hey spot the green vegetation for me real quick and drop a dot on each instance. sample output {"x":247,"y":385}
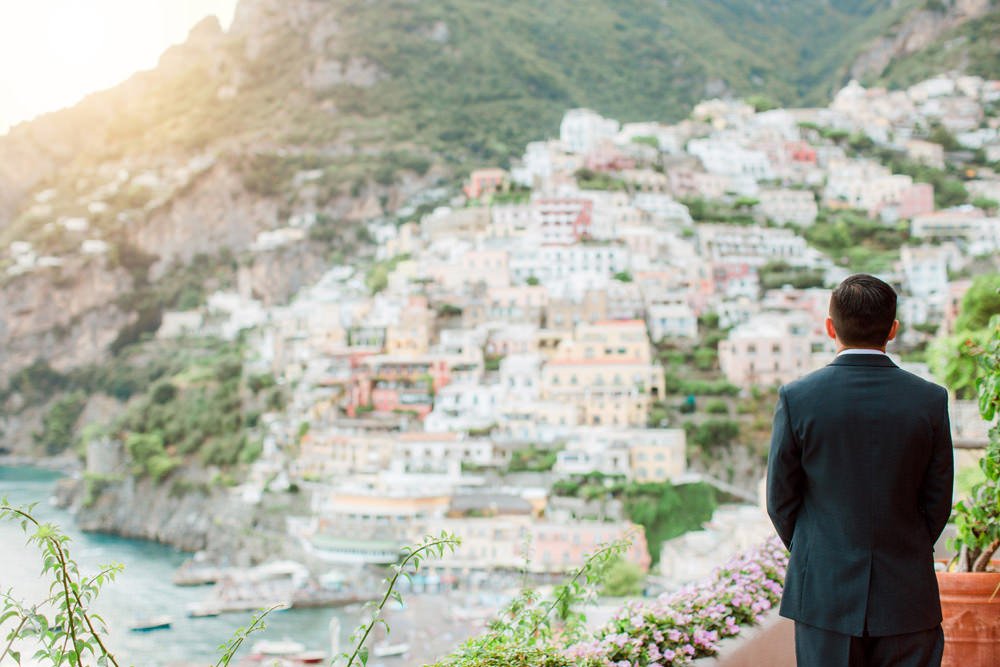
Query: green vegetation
{"x":664,"y":510}
{"x":854,"y":240}
{"x":973,"y":47}
{"x":668,"y":511}
{"x":985,"y":203}
{"x":588,"y":179}
{"x":977,"y":517}
{"x":717,"y":407}
{"x":981,"y":301}
{"x":194,"y":407}
{"x":712,"y":433}
{"x":950,"y":357}
{"x":715,"y":211}
{"x":644,"y":140}
{"x":377,"y":278}
{"x":948,"y":188}
{"x":622,"y":579}
{"x":697,"y":387}
{"x":63,"y":629}
{"x":532,"y":459}
{"x":505,"y":73}
{"x":777,"y":274}
{"x":59,"y":422}
{"x":491,"y":362}
{"x":623,"y":277}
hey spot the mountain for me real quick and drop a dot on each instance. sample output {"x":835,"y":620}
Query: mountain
{"x":971,"y":46}
{"x":337,"y":112}
{"x":461,"y":77}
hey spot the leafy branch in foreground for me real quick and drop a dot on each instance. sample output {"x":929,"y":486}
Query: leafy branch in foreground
{"x":72,"y":631}
{"x":524,"y":633}
{"x":230,"y":648}
{"x":431,"y":547}
{"x":977,"y":518}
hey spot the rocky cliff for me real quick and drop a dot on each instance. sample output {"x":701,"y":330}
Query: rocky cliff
{"x":917,"y":31}
{"x":188,"y":516}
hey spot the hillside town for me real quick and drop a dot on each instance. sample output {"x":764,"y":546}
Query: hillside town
{"x":506,"y":364}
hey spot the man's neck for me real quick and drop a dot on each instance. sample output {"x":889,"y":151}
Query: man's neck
{"x":843,"y":349}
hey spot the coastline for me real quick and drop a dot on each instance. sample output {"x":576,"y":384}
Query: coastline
{"x":65,"y":464}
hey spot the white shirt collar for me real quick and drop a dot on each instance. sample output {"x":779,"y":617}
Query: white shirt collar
{"x":860,"y":350}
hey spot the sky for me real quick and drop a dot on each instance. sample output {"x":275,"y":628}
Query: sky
{"x":55,"y":52}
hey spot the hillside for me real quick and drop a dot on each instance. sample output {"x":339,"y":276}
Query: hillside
{"x":462,"y":77}
{"x":973,"y":47}
{"x":335,"y":112}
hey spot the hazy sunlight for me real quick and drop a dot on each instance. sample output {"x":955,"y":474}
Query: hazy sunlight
{"x":54,"y":52}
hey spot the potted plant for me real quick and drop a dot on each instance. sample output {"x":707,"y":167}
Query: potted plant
{"x":970,"y":590}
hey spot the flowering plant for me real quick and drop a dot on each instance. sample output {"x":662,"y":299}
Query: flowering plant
{"x":677,"y":628}
{"x":977,"y":518}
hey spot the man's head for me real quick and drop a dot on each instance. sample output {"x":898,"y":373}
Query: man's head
{"x":862,"y":312}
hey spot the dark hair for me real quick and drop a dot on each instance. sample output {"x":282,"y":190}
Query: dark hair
{"x":863,"y":308}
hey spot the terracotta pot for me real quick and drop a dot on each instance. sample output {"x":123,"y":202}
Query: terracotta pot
{"x":970,"y":603}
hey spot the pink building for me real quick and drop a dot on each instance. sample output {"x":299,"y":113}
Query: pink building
{"x":564,"y":220}
{"x":560,"y":547}
{"x":917,"y":200}
{"x":484,"y":182}
{"x":387,"y":383}
{"x":800,"y":151}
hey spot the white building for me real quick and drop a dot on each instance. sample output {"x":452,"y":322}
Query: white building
{"x":671,"y":320}
{"x":752,"y":245}
{"x":783,"y":205}
{"x":582,"y":130}
{"x":730,"y":159}
{"x":925,"y":269}
{"x":976,"y":233}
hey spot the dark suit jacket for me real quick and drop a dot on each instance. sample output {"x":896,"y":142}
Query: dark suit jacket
{"x":859,"y":484}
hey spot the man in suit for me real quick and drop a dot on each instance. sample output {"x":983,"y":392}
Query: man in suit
{"x":859,"y":489}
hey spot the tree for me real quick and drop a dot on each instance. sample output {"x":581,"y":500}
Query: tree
{"x":979,"y":303}
{"x":762,"y":103}
{"x":623,"y":277}
{"x":705,"y":358}
{"x":622,"y":579}
{"x":951,"y":363}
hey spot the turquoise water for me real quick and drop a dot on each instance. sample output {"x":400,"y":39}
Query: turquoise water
{"x":143,"y":590}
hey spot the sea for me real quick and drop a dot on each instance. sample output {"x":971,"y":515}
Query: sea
{"x":143,"y":590}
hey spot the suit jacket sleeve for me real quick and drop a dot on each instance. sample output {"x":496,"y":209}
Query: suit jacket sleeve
{"x":784,"y":473}
{"x":936,"y":488}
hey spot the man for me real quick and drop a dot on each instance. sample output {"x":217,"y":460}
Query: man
{"x":859,"y":489}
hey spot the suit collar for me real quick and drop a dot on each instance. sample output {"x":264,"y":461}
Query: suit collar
{"x":863,"y":360}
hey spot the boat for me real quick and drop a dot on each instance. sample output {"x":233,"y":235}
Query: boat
{"x":202,"y":611}
{"x":311,"y":657}
{"x":387,"y":650}
{"x":283,"y":648}
{"x":150,"y":624}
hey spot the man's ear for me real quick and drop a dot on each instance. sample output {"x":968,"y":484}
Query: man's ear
{"x":893,"y":330}
{"x":831,"y":332}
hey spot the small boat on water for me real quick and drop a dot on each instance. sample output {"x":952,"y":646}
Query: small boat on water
{"x":150,"y":624}
{"x":387,"y":650}
{"x":202,"y":611}
{"x":284,"y":648}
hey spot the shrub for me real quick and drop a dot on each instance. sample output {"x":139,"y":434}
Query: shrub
{"x":717,"y":407}
{"x":59,"y":422}
{"x":622,"y":579}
